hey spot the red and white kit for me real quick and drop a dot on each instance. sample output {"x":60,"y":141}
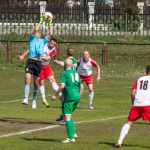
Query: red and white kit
{"x":141,"y":104}
{"x":85,"y":70}
{"x":46,"y":70}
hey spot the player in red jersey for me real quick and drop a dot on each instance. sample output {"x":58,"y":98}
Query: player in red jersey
{"x":85,"y":66}
{"x":46,"y":71}
{"x":140,"y":95}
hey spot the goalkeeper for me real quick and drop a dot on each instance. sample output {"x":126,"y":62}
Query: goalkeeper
{"x":34,"y":62}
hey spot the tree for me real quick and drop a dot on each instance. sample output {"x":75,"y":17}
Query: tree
{"x":127,"y":6}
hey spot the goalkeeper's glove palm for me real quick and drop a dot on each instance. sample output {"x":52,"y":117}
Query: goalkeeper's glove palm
{"x":42,"y":19}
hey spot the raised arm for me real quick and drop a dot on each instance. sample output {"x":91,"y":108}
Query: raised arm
{"x":49,"y":33}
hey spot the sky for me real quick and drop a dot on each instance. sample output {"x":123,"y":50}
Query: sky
{"x":109,"y":1}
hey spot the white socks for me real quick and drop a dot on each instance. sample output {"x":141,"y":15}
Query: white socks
{"x":123,"y":133}
{"x":42,"y":92}
{"x":91,"y":95}
{"x":55,"y":87}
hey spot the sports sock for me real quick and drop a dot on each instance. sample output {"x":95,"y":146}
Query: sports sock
{"x":26,"y":91}
{"x":35,"y":89}
{"x":55,"y":87}
{"x":42,"y":92}
{"x":123,"y":132}
{"x":69,"y":129}
{"x":73,"y":126}
{"x":91,"y":95}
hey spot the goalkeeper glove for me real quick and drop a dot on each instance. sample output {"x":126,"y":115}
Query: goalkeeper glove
{"x":42,"y":19}
{"x":49,"y":21}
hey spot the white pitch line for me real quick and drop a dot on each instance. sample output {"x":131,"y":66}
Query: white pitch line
{"x":29,"y":131}
{"x":12,"y":101}
{"x":54,"y":126}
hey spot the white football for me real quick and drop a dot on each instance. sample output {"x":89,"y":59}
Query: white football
{"x":48,"y":15}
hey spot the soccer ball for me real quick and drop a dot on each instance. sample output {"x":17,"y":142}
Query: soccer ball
{"x":48,"y":16}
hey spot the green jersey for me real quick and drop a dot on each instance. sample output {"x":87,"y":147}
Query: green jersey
{"x":72,"y":83}
{"x":74,"y":63}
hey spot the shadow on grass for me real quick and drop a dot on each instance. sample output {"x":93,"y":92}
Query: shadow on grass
{"x":144,"y":123}
{"x":124,"y":145}
{"x":24,"y":121}
{"x":41,"y":139}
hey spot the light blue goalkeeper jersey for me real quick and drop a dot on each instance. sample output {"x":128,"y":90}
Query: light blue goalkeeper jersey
{"x":36,"y":46}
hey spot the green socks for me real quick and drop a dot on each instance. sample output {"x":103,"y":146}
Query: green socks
{"x":70,"y":129}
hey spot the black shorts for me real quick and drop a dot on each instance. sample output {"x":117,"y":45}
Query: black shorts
{"x":33,"y":67}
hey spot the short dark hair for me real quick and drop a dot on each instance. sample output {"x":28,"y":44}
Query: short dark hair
{"x":148,"y":69}
{"x":53,"y":39}
{"x":70,"y":52}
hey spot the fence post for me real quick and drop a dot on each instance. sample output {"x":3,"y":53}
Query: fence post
{"x":9,"y":52}
{"x":141,"y":7}
{"x":104,"y":54}
{"x":42,"y":7}
{"x":91,"y":14}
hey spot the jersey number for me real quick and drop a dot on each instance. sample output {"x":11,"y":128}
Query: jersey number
{"x":75,"y":77}
{"x":143,"y":85}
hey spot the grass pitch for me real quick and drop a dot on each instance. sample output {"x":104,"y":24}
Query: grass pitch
{"x":22,"y":128}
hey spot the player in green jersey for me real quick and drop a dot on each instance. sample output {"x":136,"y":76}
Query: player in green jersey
{"x":71,"y":87}
{"x":70,"y":55}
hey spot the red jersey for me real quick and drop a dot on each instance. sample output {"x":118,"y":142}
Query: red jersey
{"x":48,"y":52}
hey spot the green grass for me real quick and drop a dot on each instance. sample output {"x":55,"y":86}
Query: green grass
{"x":96,"y":131}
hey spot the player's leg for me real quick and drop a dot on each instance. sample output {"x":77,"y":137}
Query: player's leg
{"x":35,"y":90}
{"x":28,"y":75}
{"x":42,"y":92}
{"x":61,"y":118}
{"x":69,"y":126}
{"x":90,"y":95}
{"x":49,"y":74}
{"x":69,"y":107}
{"x":55,"y":88}
{"x":53,"y":83}
{"x":37,"y":65}
{"x":123,"y":133}
{"x":135,"y":113}
{"x":43,"y":76}
{"x":26,"y":88}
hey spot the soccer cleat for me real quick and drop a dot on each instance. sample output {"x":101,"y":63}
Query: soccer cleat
{"x":75,"y":136}
{"x":118,"y":146}
{"x":67,"y":141}
{"x":60,"y":118}
{"x":91,"y":107}
{"x":25,"y":102}
{"x":62,"y":122}
{"x":33,"y":104}
{"x":46,"y":103}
